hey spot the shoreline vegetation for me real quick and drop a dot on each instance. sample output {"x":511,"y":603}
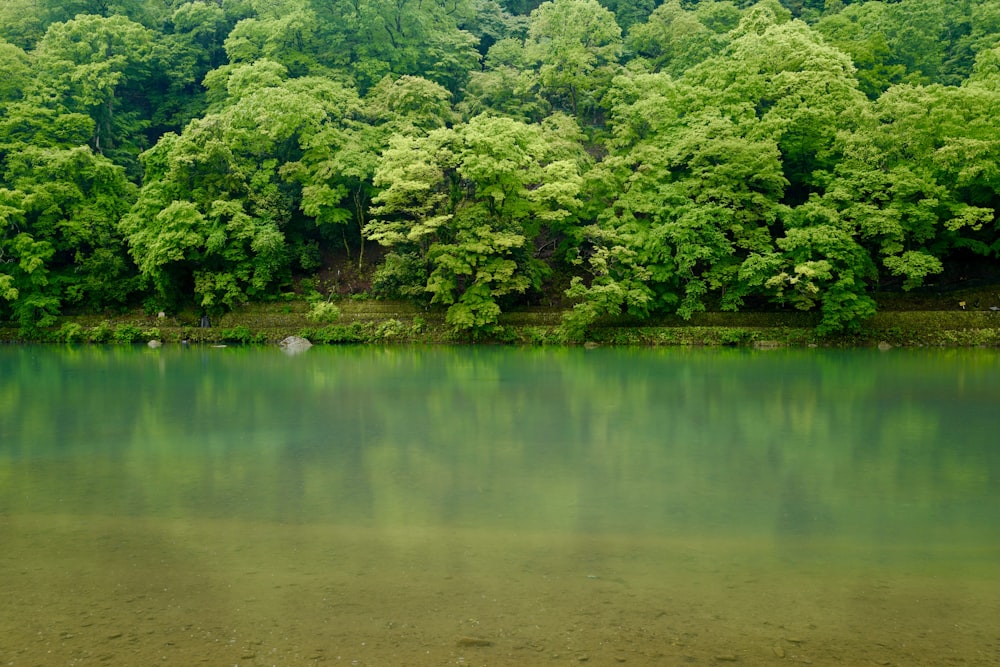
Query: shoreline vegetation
{"x":499,"y":171}
{"x":967,"y":318}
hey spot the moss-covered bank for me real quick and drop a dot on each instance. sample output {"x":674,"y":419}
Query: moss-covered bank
{"x":369,"y":321}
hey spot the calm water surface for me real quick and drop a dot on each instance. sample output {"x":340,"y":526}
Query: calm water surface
{"x":490,"y":506}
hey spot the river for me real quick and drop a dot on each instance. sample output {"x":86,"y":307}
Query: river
{"x":498,"y":506}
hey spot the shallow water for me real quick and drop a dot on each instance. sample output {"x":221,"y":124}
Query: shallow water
{"x":493,"y":506}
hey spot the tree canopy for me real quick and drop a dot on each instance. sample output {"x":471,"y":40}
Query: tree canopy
{"x":630,"y":157}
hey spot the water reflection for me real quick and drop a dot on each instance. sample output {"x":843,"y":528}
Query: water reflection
{"x":571,"y":440}
{"x":716,"y":477}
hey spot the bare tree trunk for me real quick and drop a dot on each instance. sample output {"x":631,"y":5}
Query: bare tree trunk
{"x":359,"y":214}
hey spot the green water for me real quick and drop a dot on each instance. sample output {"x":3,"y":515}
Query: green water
{"x":498,"y":506}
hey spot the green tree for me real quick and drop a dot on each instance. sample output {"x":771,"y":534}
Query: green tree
{"x":576,"y":46}
{"x":674,"y":39}
{"x":508,"y":84}
{"x":190,"y":48}
{"x":818,"y":261}
{"x":16,"y":66}
{"x":802,"y":91}
{"x":293,"y":36}
{"x":339,"y":161}
{"x":86,"y":66}
{"x":917,"y":188}
{"x":630,"y":12}
{"x":695,"y":193}
{"x":855,"y":32}
{"x":21,"y":23}
{"x":462,"y":208}
{"x":24,"y":22}
{"x":213,"y":213}
{"x":919,"y":182}
{"x":376,"y":38}
{"x":911,"y":41}
{"x":705,"y":171}
{"x":58,"y":241}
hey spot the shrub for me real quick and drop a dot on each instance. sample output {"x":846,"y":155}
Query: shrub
{"x":323,"y":312}
{"x":100,"y":333}
{"x":389,"y":329}
{"x":736,"y":336}
{"x":126,"y":334}
{"x":241,"y":333}
{"x":69,"y":332}
{"x":352,"y":333}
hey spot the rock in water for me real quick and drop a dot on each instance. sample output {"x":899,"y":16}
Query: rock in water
{"x":473,"y":641}
{"x":295,"y":344}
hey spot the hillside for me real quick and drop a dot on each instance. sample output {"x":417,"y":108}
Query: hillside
{"x":615,"y":161}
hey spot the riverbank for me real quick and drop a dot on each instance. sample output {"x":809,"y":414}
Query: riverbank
{"x":961,"y":319}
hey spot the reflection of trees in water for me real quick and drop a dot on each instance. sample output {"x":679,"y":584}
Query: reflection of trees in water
{"x":605,"y":440}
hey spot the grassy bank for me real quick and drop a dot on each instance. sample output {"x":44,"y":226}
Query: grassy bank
{"x":385,"y":322}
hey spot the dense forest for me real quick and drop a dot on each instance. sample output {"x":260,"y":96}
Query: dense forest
{"x":620,"y":157}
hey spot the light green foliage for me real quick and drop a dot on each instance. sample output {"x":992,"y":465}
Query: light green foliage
{"x":59,"y":201}
{"x":674,"y":39}
{"x":621,"y":282}
{"x":709,"y":193}
{"x":698,"y":194}
{"x":8,"y":292}
{"x":986,"y":72}
{"x":816,"y":262}
{"x":920,"y":179}
{"x":57,"y":233}
{"x":408,"y":104}
{"x":323,"y":312}
{"x":292,"y":38}
{"x":364,"y":41}
{"x":15,"y":65}
{"x":802,"y":92}
{"x":576,"y":45}
{"x":339,"y":160}
{"x":21,"y":23}
{"x":913,"y":266}
{"x":24,"y":22}
{"x":470,"y":201}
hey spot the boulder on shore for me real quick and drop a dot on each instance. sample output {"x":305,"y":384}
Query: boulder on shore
{"x":295,"y":344}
